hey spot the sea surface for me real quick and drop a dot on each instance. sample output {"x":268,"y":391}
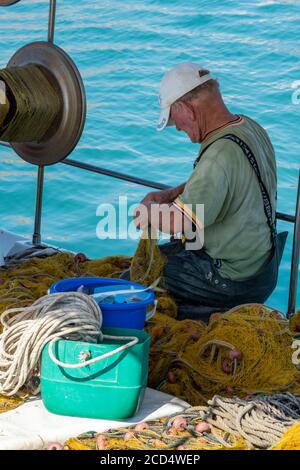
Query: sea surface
{"x":122,"y":48}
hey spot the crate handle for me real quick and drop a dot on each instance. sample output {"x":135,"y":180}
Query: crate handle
{"x":133,"y":340}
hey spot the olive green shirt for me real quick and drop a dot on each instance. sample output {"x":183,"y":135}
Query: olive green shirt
{"x":236,"y":233}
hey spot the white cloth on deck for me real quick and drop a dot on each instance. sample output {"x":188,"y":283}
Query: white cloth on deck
{"x":31,"y":426}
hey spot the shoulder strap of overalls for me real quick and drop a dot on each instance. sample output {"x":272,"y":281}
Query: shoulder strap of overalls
{"x":253,"y":162}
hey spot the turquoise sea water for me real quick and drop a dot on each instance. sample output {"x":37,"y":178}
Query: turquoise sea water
{"x":122,"y":48}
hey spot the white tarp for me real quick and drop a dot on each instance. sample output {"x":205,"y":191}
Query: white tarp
{"x":13,"y":245}
{"x":7,"y":241}
{"x":31,"y":426}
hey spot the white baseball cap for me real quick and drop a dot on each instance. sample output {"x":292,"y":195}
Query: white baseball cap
{"x":175,"y":84}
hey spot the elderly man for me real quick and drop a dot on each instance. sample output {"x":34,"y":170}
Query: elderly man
{"x":234,"y":178}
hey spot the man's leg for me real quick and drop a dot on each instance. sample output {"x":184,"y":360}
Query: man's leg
{"x":189,"y":278}
{"x":199,"y":290}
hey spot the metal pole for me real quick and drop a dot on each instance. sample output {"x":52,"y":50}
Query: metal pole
{"x":295,"y":257}
{"x":285,"y":217}
{"x":143,"y":182}
{"x":115,"y":174}
{"x":51,"y":21}
{"x":36,"y":239}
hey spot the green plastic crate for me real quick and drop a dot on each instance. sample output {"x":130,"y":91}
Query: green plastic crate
{"x":110,"y":389}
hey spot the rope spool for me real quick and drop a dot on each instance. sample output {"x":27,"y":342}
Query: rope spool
{"x":4,"y":103}
{"x":42,"y":103}
{"x":6,"y":3}
{"x":35,"y":103}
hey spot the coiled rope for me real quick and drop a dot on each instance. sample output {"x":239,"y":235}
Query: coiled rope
{"x":72,"y":315}
{"x":32,"y":105}
{"x":261,"y":421}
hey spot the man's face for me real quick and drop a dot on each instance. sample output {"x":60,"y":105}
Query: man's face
{"x":184,"y":118}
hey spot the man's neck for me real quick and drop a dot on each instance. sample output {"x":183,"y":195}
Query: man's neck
{"x":215,"y":122}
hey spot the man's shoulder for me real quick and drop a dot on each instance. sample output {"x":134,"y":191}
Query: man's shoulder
{"x":222,"y":153}
{"x":249,"y":131}
{"x":252,"y":124}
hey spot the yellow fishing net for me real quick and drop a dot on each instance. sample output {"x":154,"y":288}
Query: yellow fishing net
{"x":156,"y":436}
{"x":155,"y":439}
{"x":21,"y":285}
{"x":242,"y":352}
{"x":148,"y":262}
{"x":245,"y":351}
{"x":194,"y":361}
{"x":264,"y":422}
{"x":290,"y":439}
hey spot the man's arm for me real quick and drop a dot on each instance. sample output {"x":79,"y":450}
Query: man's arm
{"x":154,"y":209}
{"x":166,"y":196}
{"x":158,"y":210}
{"x":167,"y":219}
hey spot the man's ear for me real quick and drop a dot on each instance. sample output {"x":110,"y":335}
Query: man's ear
{"x":177,"y":106}
{"x":189,"y":110}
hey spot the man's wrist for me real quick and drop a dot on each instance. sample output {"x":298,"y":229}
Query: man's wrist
{"x":178,"y":190}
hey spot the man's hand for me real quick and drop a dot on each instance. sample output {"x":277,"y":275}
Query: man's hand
{"x":158,"y":197}
{"x":166,"y":196}
{"x":142,"y":214}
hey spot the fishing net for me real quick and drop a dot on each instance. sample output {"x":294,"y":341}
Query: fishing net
{"x":148,"y":261}
{"x":22,"y":285}
{"x":242,"y":353}
{"x":265,"y":422}
{"x":290,"y":439}
{"x":245,"y":351}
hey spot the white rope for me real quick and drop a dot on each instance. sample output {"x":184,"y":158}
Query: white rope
{"x":261,"y":421}
{"x":70,"y":315}
{"x":132,"y":342}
